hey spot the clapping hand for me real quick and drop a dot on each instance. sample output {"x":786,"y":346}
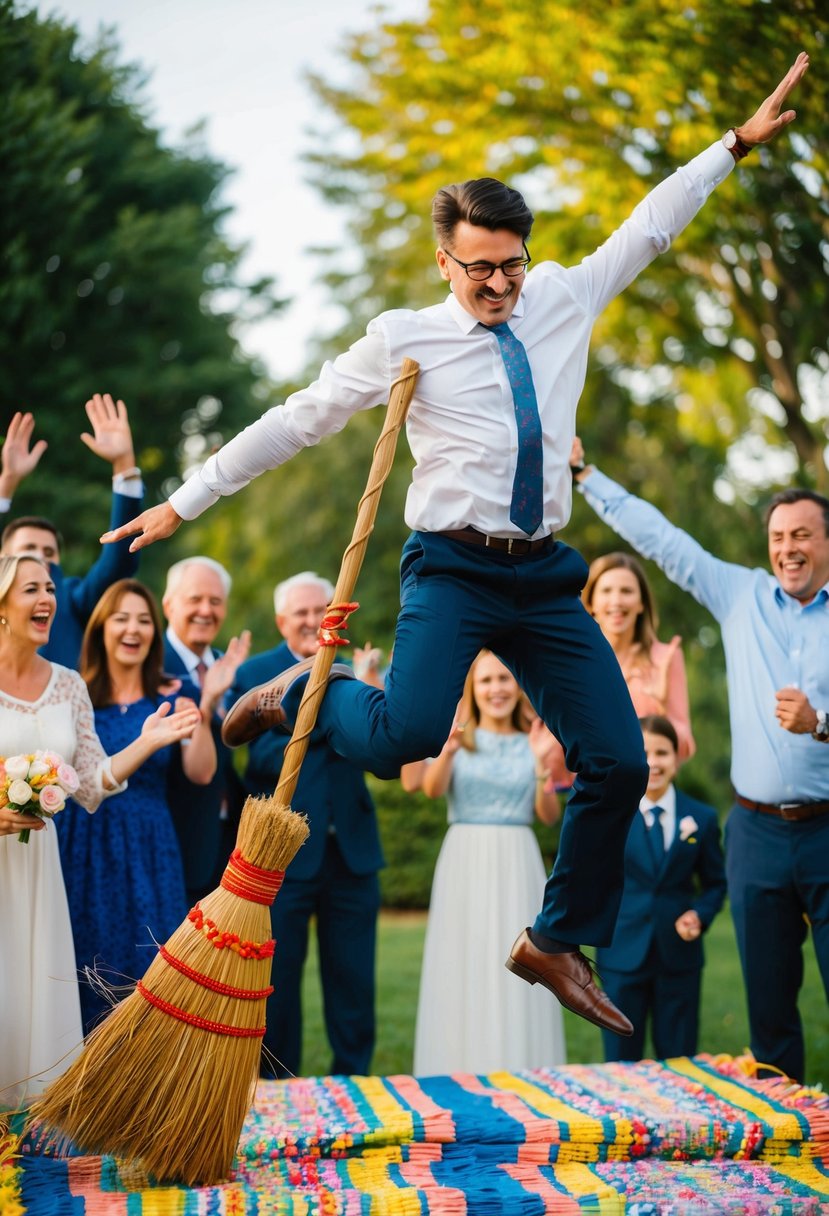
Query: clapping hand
{"x":18,"y":456}
{"x":164,"y":726}
{"x":220,"y":675}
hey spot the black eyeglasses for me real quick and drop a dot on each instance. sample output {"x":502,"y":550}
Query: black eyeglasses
{"x":481,"y":271}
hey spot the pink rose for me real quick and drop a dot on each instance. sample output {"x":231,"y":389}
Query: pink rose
{"x":51,"y":758}
{"x":52,"y":799}
{"x":68,"y":778}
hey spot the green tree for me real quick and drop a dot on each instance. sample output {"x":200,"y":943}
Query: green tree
{"x":116,"y":275}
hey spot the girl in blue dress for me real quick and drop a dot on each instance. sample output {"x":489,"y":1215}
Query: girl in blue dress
{"x":122,"y":868}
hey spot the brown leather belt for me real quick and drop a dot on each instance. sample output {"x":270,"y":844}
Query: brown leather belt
{"x":785,"y":810}
{"x":517,"y":546}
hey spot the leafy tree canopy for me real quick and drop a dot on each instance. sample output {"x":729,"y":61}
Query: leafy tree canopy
{"x":116,"y":276}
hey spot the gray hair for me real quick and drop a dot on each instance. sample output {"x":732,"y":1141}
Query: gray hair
{"x":177,"y":571}
{"x":306,"y":579}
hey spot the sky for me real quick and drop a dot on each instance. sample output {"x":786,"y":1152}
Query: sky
{"x":240,"y":67}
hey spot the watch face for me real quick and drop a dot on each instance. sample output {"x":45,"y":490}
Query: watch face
{"x":729,"y":139}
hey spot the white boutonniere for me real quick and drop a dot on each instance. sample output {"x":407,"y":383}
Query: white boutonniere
{"x":687,"y":826}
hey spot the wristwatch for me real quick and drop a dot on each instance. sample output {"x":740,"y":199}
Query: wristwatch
{"x":735,"y":145}
{"x":821,"y":731}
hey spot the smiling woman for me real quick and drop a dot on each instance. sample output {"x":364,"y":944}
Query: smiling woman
{"x":123,"y":870}
{"x":45,"y":707}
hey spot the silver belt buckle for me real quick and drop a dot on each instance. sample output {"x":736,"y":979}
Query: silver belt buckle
{"x":509,"y":544}
{"x":784,"y":807}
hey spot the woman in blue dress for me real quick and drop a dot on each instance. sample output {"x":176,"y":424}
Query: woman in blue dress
{"x":489,"y":876}
{"x":122,"y":868}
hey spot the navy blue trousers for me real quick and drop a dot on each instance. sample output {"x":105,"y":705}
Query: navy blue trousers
{"x":778,"y":885}
{"x":671,"y":1000}
{"x":457,"y":598}
{"x":345,"y":906}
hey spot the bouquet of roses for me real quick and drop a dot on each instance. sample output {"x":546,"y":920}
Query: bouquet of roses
{"x":36,"y":784}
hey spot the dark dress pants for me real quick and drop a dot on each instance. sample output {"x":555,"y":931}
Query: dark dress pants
{"x":457,"y":598}
{"x":778,"y":876}
{"x":669,"y":998}
{"x":345,"y":906}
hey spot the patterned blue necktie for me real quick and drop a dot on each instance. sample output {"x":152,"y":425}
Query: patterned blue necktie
{"x":527,"y":504}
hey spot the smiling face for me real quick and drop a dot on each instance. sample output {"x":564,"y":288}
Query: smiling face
{"x":196,"y":609}
{"x":799,"y":548}
{"x":616,"y":603}
{"x":36,"y":542}
{"x":494,"y":299}
{"x":662,"y":764}
{"x":495,"y":691}
{"x":301,"y":616}
{"x":29,"y":607}
{"x":129,"y":631}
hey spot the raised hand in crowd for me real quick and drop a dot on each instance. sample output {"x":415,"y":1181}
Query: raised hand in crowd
{"x":366,"y":663}
{"x":18,"y":455}
{"x":111,"y":437}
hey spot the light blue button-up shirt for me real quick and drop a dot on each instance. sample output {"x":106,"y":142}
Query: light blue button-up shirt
{"x":771,"y":641}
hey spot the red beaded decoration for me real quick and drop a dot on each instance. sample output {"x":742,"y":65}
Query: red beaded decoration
{"x":193,"y":1019}
{"x":223,"y":940}
{"x":251,"y":882}
{"x":206,"y":981}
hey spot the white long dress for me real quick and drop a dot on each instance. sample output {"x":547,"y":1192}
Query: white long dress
{"x":473,"y":1015}
{"x":40,"y":1014}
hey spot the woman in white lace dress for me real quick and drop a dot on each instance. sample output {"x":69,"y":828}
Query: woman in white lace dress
{"x":489,"y":881}
{"x":46,"y":706}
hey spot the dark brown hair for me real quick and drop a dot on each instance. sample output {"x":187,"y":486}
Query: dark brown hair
{"x":93,"y":664}
{"x":647,"y":622}
{"x":784,"y":497}
{"x":30,"y":521}
{"x":658,"y":724}
{"x":484,"y":202}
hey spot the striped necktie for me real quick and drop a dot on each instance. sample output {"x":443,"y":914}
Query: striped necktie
{"x":527,"y":503}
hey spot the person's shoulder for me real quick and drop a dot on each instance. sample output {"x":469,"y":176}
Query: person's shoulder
{"x":265,"y":663}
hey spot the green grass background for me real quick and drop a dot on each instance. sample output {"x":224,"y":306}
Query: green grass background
{"x":724,"y":1024}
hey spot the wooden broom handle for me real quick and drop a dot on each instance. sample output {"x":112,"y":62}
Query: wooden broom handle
{"x":399,"y":399}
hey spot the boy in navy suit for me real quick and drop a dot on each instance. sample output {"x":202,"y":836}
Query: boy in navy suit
{"x":674,"y":887}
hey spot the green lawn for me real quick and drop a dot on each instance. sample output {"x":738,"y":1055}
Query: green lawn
{"x":724,"y":1023}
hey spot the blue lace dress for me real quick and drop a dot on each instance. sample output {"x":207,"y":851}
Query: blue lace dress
{"x":122,"y":868}
{"x":473,"y":1015}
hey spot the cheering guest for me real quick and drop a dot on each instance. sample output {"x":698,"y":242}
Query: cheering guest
{"x":111,"y":439}
{"x":123,"y":870}
{"x":617,"y":594}
{"x":674,"y":887}
{"x":489,"y":876}
{"x":46,"y":707}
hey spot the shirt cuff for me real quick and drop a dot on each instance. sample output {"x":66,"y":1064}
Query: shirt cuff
{"x":194,"y":497}
{"x":130,"y":485}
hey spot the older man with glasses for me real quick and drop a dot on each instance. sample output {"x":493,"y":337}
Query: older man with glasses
{"x":503,"y":362}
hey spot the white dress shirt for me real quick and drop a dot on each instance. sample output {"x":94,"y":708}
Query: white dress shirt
{"x":668,"y":804}
{"x":461,"y":424}
{"x":189,"y":657}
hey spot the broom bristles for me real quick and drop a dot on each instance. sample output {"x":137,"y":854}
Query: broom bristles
{"x":154,"y":1088}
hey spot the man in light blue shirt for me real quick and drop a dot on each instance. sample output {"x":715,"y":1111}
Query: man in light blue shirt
{"x":775,"y":631}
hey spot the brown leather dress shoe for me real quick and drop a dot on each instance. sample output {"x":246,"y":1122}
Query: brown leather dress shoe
{"x":569,"y":977}
{"x":261,"y":708}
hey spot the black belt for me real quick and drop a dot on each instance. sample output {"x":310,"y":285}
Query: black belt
{"x":785,"y":810}
{"x":517,"y":546}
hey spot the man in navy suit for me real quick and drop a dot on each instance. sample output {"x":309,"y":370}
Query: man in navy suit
{"x":205,"y":816}
{"x":333,"y":876}
{"x":76,"y":595}
{"x":674,"y":887}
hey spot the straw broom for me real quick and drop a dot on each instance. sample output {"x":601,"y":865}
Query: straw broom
{"x":168,"y":1078}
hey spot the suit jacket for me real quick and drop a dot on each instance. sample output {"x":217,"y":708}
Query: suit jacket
{"x":331,"y":790}
{"x":77,"y":595}
{"x":691,"y":875}
{"x":206,"y":840}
